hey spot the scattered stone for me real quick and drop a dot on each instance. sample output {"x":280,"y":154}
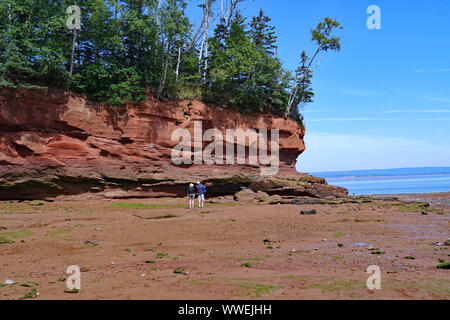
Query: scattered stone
{"x":410,"y":257}
{"x":98,"y":229}
{"x":308,"y":212}
{"x":447,"y":243}
{"x":340,"y":245}
{"x":245,"y":195}
{"x":7,"y":282}
{"x":211,"y":252}
{"x":143,"y":275}
{"x":84,"y":269}
{"x":90,"y":243}
{"x":150,"y":261}
{"x":246,"y":264}
{"x":74,"y":290}
{"x":424,"y":213}
{"x":178,"y":270}
{"x":438,"y":244}
{"x":379,"y":252}
{"x":2,"y":228}
{"x":112,"y":262}
{"x":263,"y":196}
{"x":445,"y":265}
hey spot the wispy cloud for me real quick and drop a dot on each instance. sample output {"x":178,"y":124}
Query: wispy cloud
{"x":373,"y":119}
{"x":432,"y":70}
{"x":418,"y":111}
{"x":360,"y":92}
{"x":436,"y":99}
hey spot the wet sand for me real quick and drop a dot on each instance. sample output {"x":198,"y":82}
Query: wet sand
{"x":129,"y":249}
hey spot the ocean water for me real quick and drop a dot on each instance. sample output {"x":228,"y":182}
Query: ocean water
{"x":391,"y":185}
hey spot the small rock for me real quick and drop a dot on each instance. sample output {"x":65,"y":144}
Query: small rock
{"x":143,"y":275}
{"x":424,"y":213}
{"x":112,"y":262}
{"x":316,"y":249}
{"x":211,"y":252}
{"x":98,"y":229}
{"x":90,"y":243}
{"x":308,"y":212}
{"x":84,"y":269}
{"x":447,"y":243}
{"x":9,"y":282}
{"x":245,"y":195}
{"x":438,"y":244}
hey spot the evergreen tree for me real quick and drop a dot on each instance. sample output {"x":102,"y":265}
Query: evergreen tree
{"x":263,"y":35}
{"x":126,"y":48}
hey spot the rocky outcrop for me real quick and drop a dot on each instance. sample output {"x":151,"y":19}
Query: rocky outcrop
{"x":57,"y":143}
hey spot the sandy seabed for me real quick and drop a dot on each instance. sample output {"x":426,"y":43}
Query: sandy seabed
{"x":129,"y":249}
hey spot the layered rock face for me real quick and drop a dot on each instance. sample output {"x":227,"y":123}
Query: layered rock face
{"x":57,"y":143}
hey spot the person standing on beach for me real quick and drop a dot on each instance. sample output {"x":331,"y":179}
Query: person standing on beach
{"x":201,"y":191}
{"x":191,"y":192}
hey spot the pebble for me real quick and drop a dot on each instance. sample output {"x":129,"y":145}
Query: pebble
{"x":9,"y":282}
{"x":112,"y":262}
{"x":143,"y":275}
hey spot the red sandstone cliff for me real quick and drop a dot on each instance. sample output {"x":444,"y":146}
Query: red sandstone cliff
{"x":54,"y":142}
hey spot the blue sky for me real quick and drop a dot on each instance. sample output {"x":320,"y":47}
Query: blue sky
{"x":384,"y":100}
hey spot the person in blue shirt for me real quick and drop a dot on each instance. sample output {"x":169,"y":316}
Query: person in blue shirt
{"x":201,"y":191}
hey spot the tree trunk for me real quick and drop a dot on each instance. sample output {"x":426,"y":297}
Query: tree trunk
{"x":177,"y":72}
{"x":73,"y":50}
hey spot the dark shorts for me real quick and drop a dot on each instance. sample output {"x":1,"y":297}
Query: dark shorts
{"x":192,"y":197}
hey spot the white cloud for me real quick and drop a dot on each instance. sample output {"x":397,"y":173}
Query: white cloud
{"x":433,"y":70}
{"x":418,"y":111}
{"x":372,"y":119}
{"x":360,"y":92}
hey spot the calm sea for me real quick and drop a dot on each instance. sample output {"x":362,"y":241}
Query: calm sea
{"x":388,"y":185}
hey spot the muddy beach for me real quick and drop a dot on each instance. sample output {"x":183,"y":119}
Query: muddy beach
{"x":158,"y":249}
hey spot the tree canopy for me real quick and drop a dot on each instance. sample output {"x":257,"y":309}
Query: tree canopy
{"x":127,"y":48}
